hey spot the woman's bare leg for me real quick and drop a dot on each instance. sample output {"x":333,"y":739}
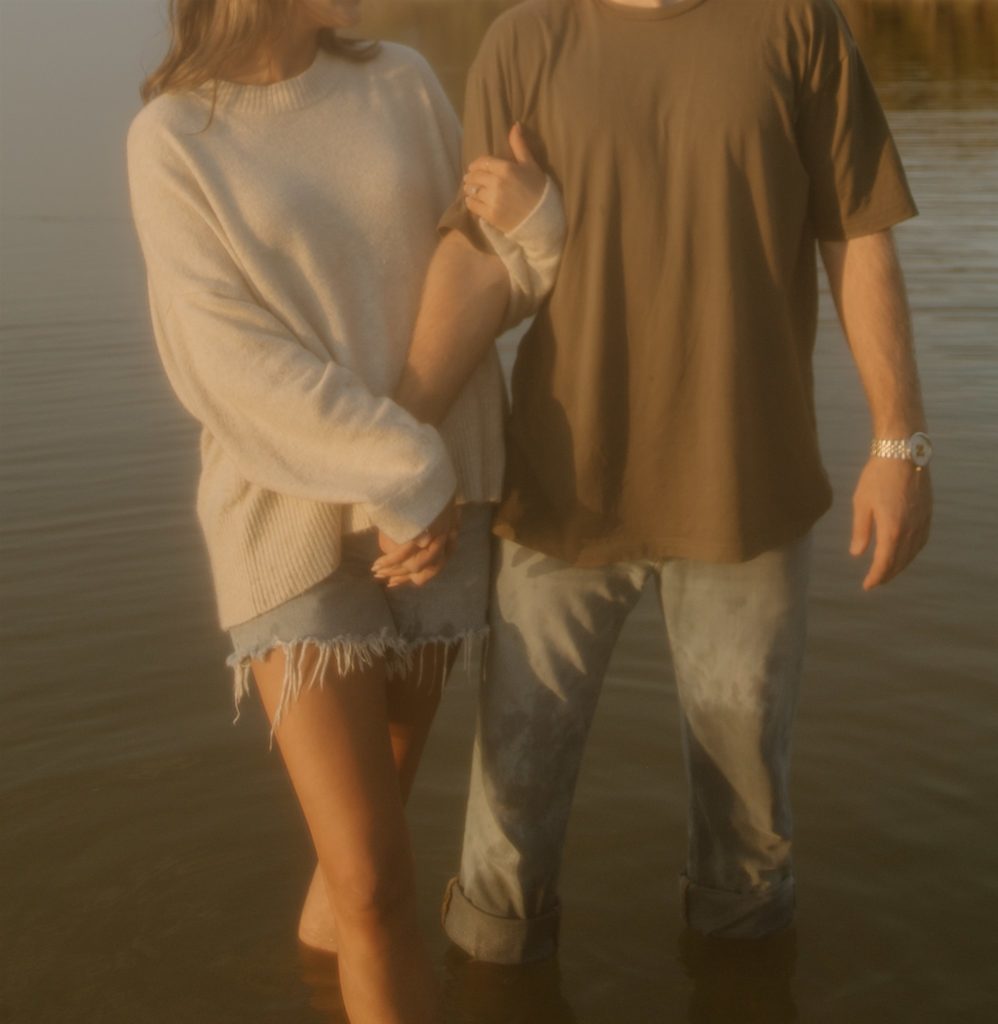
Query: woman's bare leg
{"x":412,"y":705}
{"x":413,"y":700}
{"x":338,"y":750}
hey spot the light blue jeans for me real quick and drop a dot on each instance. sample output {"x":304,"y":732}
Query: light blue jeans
{"x":737,"y":637}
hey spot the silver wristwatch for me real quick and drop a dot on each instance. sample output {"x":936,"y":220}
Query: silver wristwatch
{"x":916,"y":449}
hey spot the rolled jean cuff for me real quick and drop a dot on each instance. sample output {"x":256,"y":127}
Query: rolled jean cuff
{"x":736,"y":915}
{"x":498,"y":940}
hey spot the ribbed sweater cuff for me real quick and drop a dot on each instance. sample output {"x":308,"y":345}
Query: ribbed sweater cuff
{"x":541,"y":234}
{"x":531,"y":253}
{"x":409,"y":512}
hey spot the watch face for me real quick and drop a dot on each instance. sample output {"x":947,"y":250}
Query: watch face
{"x":921,"y":449}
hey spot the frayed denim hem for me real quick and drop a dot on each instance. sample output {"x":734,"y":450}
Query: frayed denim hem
{"x":349,"y":654}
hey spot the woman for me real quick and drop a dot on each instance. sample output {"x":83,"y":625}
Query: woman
{"x":286,"y":186}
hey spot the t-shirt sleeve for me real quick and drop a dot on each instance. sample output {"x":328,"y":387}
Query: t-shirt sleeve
{"x":531,"y":252}
{"x":488,"y":118}
{"x":858,"y":185}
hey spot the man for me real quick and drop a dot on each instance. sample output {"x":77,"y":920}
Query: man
{"x":662,"y":426}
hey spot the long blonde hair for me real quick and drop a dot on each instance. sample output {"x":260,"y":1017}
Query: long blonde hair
{"x":211,"y":38}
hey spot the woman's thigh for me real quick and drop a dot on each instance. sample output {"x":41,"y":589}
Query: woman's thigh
{"x":336,"y":743}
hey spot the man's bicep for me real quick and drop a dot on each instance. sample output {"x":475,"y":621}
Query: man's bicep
{"x":458,"y":218}
{"x":835,"y":252}
{"x":482,"y":268}
{"x":488,"y":119}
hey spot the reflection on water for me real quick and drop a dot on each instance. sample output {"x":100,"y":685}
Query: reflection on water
{"x":481,"y":993}
{"x":154,"y":859}
{"x":748,"y":982}
{"x":319,"y":973}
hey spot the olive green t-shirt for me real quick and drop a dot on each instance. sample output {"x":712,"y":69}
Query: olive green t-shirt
{"x":662,"y":401}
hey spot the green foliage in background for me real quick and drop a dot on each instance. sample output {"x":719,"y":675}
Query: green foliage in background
{"x":953,"y":41}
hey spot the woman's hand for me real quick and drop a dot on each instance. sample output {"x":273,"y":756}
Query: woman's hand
{"x":417,"y":561}
{"x":504,"y":192}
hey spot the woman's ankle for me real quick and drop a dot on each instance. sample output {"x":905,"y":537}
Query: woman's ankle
{"x":317,"y":924}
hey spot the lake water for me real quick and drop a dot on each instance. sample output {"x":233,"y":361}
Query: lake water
{"x":153,"y":858}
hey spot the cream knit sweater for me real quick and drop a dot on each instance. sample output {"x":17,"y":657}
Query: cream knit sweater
{"x":286,"y":246}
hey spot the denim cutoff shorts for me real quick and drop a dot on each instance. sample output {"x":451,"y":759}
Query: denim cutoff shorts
{"x":354,"y":619}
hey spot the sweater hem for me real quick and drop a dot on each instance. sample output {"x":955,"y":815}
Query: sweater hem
{"x":237,"y":605}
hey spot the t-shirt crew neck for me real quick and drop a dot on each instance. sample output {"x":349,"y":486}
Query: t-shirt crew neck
{"x":622,"y":10}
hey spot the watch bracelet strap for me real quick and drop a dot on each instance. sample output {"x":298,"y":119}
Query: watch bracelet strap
{"x":890,"y":449}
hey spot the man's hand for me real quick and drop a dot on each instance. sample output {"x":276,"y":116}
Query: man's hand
{"x":417,"y":561}
{"x":894,"y":499}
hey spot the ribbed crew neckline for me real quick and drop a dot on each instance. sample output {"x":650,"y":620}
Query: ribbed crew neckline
{"x":276,"y":97}
{"x":622,"y":10}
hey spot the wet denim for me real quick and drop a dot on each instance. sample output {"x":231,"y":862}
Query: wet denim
{"x":737,"y":636}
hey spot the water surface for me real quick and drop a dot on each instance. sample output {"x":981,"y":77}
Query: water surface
{"x":153,"y":857}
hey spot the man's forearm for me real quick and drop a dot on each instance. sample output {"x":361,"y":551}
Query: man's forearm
{"x":891,"y":499}
{"x":868,"y":287}
{"x":464,"y":301}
